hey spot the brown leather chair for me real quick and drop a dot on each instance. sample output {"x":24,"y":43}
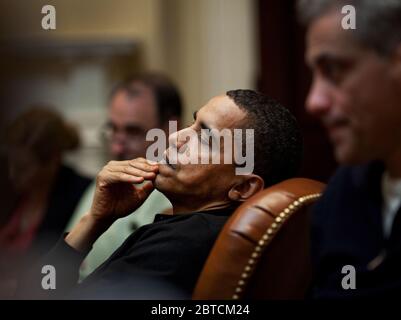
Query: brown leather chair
{"x":263,"y":250}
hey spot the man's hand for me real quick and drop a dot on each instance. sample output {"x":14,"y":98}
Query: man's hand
{"x":116,"y":196}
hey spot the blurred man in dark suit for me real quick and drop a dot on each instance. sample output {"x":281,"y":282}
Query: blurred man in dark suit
{"x":356,"y":93}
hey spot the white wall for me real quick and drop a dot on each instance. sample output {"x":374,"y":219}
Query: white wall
{"x":211,"y":47}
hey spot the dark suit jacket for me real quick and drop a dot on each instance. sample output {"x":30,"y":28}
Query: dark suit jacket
{"x":347,"y":230}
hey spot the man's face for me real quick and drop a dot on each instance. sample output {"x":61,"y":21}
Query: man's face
{"x":355,"y":93}
{"x":129,"y":119}
{"x":200,"y":183}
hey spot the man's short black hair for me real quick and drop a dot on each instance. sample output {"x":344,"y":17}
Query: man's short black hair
{"x":278,"y":141}
{"x":168,"y":99}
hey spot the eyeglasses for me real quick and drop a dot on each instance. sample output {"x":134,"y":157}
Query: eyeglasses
{"x":130,"y":132}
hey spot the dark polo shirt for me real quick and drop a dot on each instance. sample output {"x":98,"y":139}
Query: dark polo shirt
{"x":161,"y":259}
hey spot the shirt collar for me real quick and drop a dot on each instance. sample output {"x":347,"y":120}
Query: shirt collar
{"x":218,"y":212}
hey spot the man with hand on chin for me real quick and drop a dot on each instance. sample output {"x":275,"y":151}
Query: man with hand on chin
{"x":173,"y":249}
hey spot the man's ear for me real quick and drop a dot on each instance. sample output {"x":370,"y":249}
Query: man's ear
{"x":246,"y":187}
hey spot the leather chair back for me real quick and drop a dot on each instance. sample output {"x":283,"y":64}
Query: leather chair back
{"x":263,"y":250}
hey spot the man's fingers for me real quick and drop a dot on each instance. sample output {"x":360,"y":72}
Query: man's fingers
{"x":146,"y":189}
{"x":144,"y":164}
{"x":133,"y":171}
{"x":111,"y":177}
{"x":139,"y":163}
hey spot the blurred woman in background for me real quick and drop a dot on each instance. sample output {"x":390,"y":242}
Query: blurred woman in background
{"x":46,"y":190}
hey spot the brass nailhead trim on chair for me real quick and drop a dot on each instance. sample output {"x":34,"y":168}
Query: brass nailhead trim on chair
{"x":267,"y":237}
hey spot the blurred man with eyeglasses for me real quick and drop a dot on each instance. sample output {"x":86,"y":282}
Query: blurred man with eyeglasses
{"x":139,"y":103}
